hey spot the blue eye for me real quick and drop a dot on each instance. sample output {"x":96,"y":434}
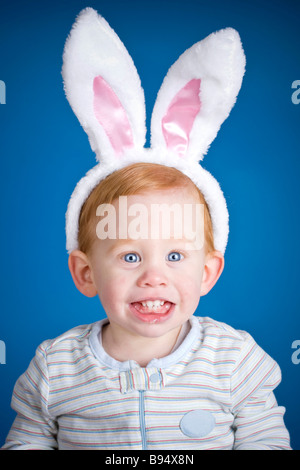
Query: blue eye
{"x":175,"y":256}
{"x":131,"y":258}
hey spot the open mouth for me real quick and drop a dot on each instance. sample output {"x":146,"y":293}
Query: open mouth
{"x":152,"y":310}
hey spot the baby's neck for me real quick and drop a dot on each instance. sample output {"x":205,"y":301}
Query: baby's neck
{"x":137,"y":348}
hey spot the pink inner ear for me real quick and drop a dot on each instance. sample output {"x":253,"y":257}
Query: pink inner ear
{"x":180,"y":116}
{"x":111,"y":116}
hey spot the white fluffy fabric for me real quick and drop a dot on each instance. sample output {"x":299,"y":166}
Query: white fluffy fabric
{"x":219,"y":62}
{"x":93,"y":49}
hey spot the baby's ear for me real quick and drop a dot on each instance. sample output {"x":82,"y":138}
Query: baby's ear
{"x":81,"y":273}
{"x":213,"y":268}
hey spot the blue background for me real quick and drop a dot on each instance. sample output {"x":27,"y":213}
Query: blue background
{"x":255,"y":157}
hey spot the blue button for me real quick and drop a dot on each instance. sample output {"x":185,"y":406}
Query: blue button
{"x":197,"y":423}
{"x":155,"y":377}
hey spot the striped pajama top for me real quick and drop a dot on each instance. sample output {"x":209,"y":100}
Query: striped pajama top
{"x":215,"y":391}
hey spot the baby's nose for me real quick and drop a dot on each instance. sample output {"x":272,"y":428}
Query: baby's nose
{"x":152,"y":277}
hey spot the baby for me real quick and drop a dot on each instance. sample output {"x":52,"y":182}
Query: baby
{"x":148,"y":236}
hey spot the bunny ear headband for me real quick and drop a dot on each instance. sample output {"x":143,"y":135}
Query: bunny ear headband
{"x":104,"y":90}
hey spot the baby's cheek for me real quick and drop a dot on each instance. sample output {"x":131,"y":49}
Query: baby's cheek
{"x":112,"y":289}
{"x":191,"y":282}
{"x":107,"y":299}
{"x":191,"y":292}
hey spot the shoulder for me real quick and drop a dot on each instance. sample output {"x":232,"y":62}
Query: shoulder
{"x":75,"y":337}
{"x":220,"y":344}
{"x":239,"y":344}
{"x":221,"y":330}
{"x":249,"y":362}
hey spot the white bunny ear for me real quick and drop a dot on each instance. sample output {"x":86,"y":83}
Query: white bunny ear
{"x":198,"y":94}
{"x":103,"y":87}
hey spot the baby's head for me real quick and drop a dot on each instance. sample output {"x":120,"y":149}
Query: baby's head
{"x":154,"y":281}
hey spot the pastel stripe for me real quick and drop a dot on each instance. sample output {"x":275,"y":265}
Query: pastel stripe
{"x":73,"y":396}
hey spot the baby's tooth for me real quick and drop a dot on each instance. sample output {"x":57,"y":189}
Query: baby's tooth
{"x":152,"y":304}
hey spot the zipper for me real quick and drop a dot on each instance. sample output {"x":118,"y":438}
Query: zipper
{"x":142,"y":419}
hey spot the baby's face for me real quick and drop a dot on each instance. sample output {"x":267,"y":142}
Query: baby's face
{"x":149,"y":280}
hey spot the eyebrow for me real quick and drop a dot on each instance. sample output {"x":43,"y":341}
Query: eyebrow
{"x":118,"y":243}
